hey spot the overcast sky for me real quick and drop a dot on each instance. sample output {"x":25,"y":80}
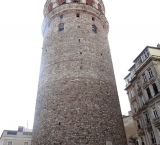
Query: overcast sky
{"x":133,"y":26}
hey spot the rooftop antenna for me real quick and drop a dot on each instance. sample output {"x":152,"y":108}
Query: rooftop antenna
{"x":27,"y":126}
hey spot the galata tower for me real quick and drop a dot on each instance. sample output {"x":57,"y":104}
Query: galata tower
{"x":77,"y":101}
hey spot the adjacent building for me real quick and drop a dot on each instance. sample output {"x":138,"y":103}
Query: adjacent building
{"x":143,"y":89}
{"x":130,"y":129}
{"x":20,"y":137}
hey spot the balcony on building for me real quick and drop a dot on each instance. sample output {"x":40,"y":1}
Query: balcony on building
{"x":140,"y":132}
{"x":156,"y":122}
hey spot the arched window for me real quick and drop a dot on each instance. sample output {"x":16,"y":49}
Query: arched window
{"x":89,"y":2}
{"x":61,"y":27}
{"x":61,"y":2}
{"x":50,"y":7}
{"x":77,"y":1}
{"x":99,"y":7}
{"x":94,"y":28}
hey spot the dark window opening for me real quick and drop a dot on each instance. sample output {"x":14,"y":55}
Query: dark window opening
{"x":50,"y":7}
{"x":147,"y":118}
{"x":79,"y":40}
{"x":94,"y":28}
{"x":155,"y":88}
{"x":150,"y":73}
{"x":149,"y":93}
{"x":77,"y":15}
{"x":142,"y":141}
{"x":59,"y":123}
{"x":61,"y":16}
{"x":155,"y":113}
{"x":77,"y":1}
{"x":138,"y":124}
{"x":92,"y":18}
{"x":153,"y":139}
{"x":80,"y":52}
{"x":89,"y":2}
{"x":12,"y":132}
{"x":101,"y":54}
{"x":61,"y":27}
{"x":61,"y":1}
{"x":99,"y":7}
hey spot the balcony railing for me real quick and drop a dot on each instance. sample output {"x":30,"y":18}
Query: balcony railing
{"x":156,"y":122}
{"x":149,"y":127}
{"x":140,"y":132}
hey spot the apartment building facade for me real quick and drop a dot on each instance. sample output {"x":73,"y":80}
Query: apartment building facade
{"x":20,"y":137}
{"x":143,"y":89}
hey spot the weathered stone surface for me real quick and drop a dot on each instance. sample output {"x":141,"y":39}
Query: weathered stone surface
{"x":77,"y":101}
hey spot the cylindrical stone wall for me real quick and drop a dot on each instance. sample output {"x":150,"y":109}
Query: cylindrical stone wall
{"x":77,"y":100}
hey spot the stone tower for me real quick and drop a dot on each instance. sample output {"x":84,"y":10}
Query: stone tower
{"x":77,"y":101}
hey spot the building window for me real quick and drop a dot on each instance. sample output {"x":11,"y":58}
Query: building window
{"x":92,"y":18}
{"x":94,"y":28}
{"x":149,"y":93}
{"x":77,"y":15}
{"x":9,"y":143}
{"x":138,"y":125}
{"x":147,"y":118}
{"x":158,"y":131}
{"x":135,"y":107}
{"x":155,"y":88}
{"x":155,"y":112}
{"x":142,"y":141}
{"x":138,"y":85}
{"x":150,"y":73}
{"x":132,"y":93}
{"x":25,"y":143}
{"x":142,"y":100}
{"x":61,"y":27}
{"x":153,"y":139}
{"x":144,"y":78}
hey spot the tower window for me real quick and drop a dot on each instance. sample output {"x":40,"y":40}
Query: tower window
{"x":92,"y":18}
{"x":99,"y":7}
{"x":77,"y":15}
{"x":61,"y":27}
{"x":76,"y":1}
{"x":89,"y":2}
{"x":94,"y":28}
{"x":61,"y":16}
{"x":61,"y":2}
{"x":50,"y":7}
